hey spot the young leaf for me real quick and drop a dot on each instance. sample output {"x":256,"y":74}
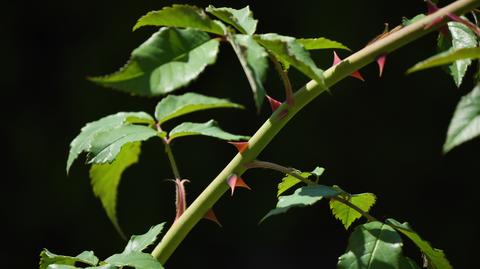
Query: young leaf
{"x":253,"y":59}
{"x":348,"y":215}
{"x":48,"y":258}
{"x":290,"y":52}
{"x":137,"y":243}
{"x":446,"y":57}
{"x":290,"y":181}
{"x":321,"y":43}
{"x":184,"y":16}
{"x":302,"y":197}
{"x":241,"y":19}
{"x":83,"y":141}
{"x":106,"y":145}
{"x":435,"y":257}
{"x":106,"y":177}
{"x":174,"y":106}
{"x":138,"y":260}
{"x":465,"y":123}
{"x":209,"y":128}
{"x":168,"y":60}
{"x":373,"y":245}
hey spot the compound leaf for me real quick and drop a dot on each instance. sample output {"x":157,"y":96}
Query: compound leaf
{"x":48,"y":258}
{"x":209,"y":128}
{"x":348,"y":215}
{"x":241,"y":19}
{"x":137,"y":243}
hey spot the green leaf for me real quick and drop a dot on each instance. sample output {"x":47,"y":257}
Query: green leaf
{"x":435,"y":257}
{"x":290,"y":52}
{"x":241,"y":19}
{"x":83,"y":141}
{"x":253,"y":59}
{"x":106,"y":177}
{"x":289,"y":181}
{"x":106,"y":145}
{"x":48,"y":258}
{"x":138,"y":260}
{"x":408,"y":263}
{"x":184,"y":16}
{"x":302,"y":197}
{"x":373,"y":245}
{"x":465,"y":123}
{"x":137,"y":243}
{"x":168,"y":60}
{"x":318,"y":171}
{"x":348,"y":215}
{"x":174,"y":106}
{"x":209,"y":128}
{"x":406,"y":21}
{"x":61,"y":266}
{"x":446,"y":57}
{"x":321,"y":43}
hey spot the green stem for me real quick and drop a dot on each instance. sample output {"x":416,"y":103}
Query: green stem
{"x":284,"y":76}
{"x":212,"y":193}
{"x":173,"y":164}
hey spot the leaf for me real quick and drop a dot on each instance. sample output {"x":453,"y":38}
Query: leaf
{"x":48,"y":258}
{"x":321,"y":43}
{"x":318,"y":171}
{"x":174,"y":106}
{"x":140,"y":242}
{"x":184,"y":16}
{"x":290,"y":52}
{"x":241,"y":19}
{"x":209,"y":128}
{"x":302,"y":197}
{"x":371,"y":246}
{"x":106,"y":177}
{"x":465,"y":123}
{"x":168,"y":60}
{"x":408,"y":263}
{"x":61,"y":266}
{"x":83,"y":141}
{"x":446,"y":57}
{"x":406,"y":21}
{"x":348,"y":215}
{"x":436,"y":258}
{"x":289,"y":181}
{"x":138,"y":260}
{"x":253,"y":59}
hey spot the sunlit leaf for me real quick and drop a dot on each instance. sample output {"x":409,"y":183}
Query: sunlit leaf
{"x":321,"y":43}
{"x":184,"y":16}
{"x":168,"y":60}
{"x":48,"y":258}
{"x":446,"y":57}
{"x":141,"y":242}
{"x":209,"y":128}
{"x":348,"y":215}
{"x":241,"y":19}
{"x":290,"y":181}
{"x":138,"y":260}
{"x":174,"y":106}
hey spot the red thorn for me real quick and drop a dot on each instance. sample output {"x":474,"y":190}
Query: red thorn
{"x":210,"y":215}
{"x":235,"y":181}
{"x":241,"y":146}
{"x":337,"y":60}
{"x":274,"y":104}
{"x":381,"y":63}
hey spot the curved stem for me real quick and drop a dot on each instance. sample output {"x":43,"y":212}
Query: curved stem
{"x":286,"y":81}
{"x":179,"y":230}
{"x":173,"y":164}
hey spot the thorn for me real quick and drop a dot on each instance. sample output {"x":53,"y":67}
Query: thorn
{"x":235,"y":181}
{"x":210,"y":215}
{"x":381,"y":63}
{"x":241,"y":146}
{"x":274,"y":104}
{"x":337,"y":60}
{"x":180,"y":197}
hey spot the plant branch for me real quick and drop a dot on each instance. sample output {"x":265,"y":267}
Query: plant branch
{"x":284,"y":76}
{"x":282,"y":169}
{"x":212,"y":193}
{"x":171,"y":158}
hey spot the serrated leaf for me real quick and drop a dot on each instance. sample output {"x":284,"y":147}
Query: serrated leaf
{"x":168,"y":60}
{"x":106,"y":177}
{"x":302,"y":197}
{"x":436,"y":258}
{"x":174,"y":106}
{"x":465,"y":123}
{"x":209,"y":128}
{"x":373,"y":245}
{"x":184,"y":16}
{"x":290,"y":52}
{"x":106,"y":145}
{"x":446,"y":57}
{"x":138,"y":260}
{"x":253,"y":59}
{"x":83,"y":141}
{"x":290,"y":181}
{"x":140,"y":242}
{"x":348,"y":215}
{"x":321,"y":43}
{"x":48,"y":258}
{"x":241,"y":19}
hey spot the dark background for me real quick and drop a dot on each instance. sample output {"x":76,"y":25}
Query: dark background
{"x":382,"y":136}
